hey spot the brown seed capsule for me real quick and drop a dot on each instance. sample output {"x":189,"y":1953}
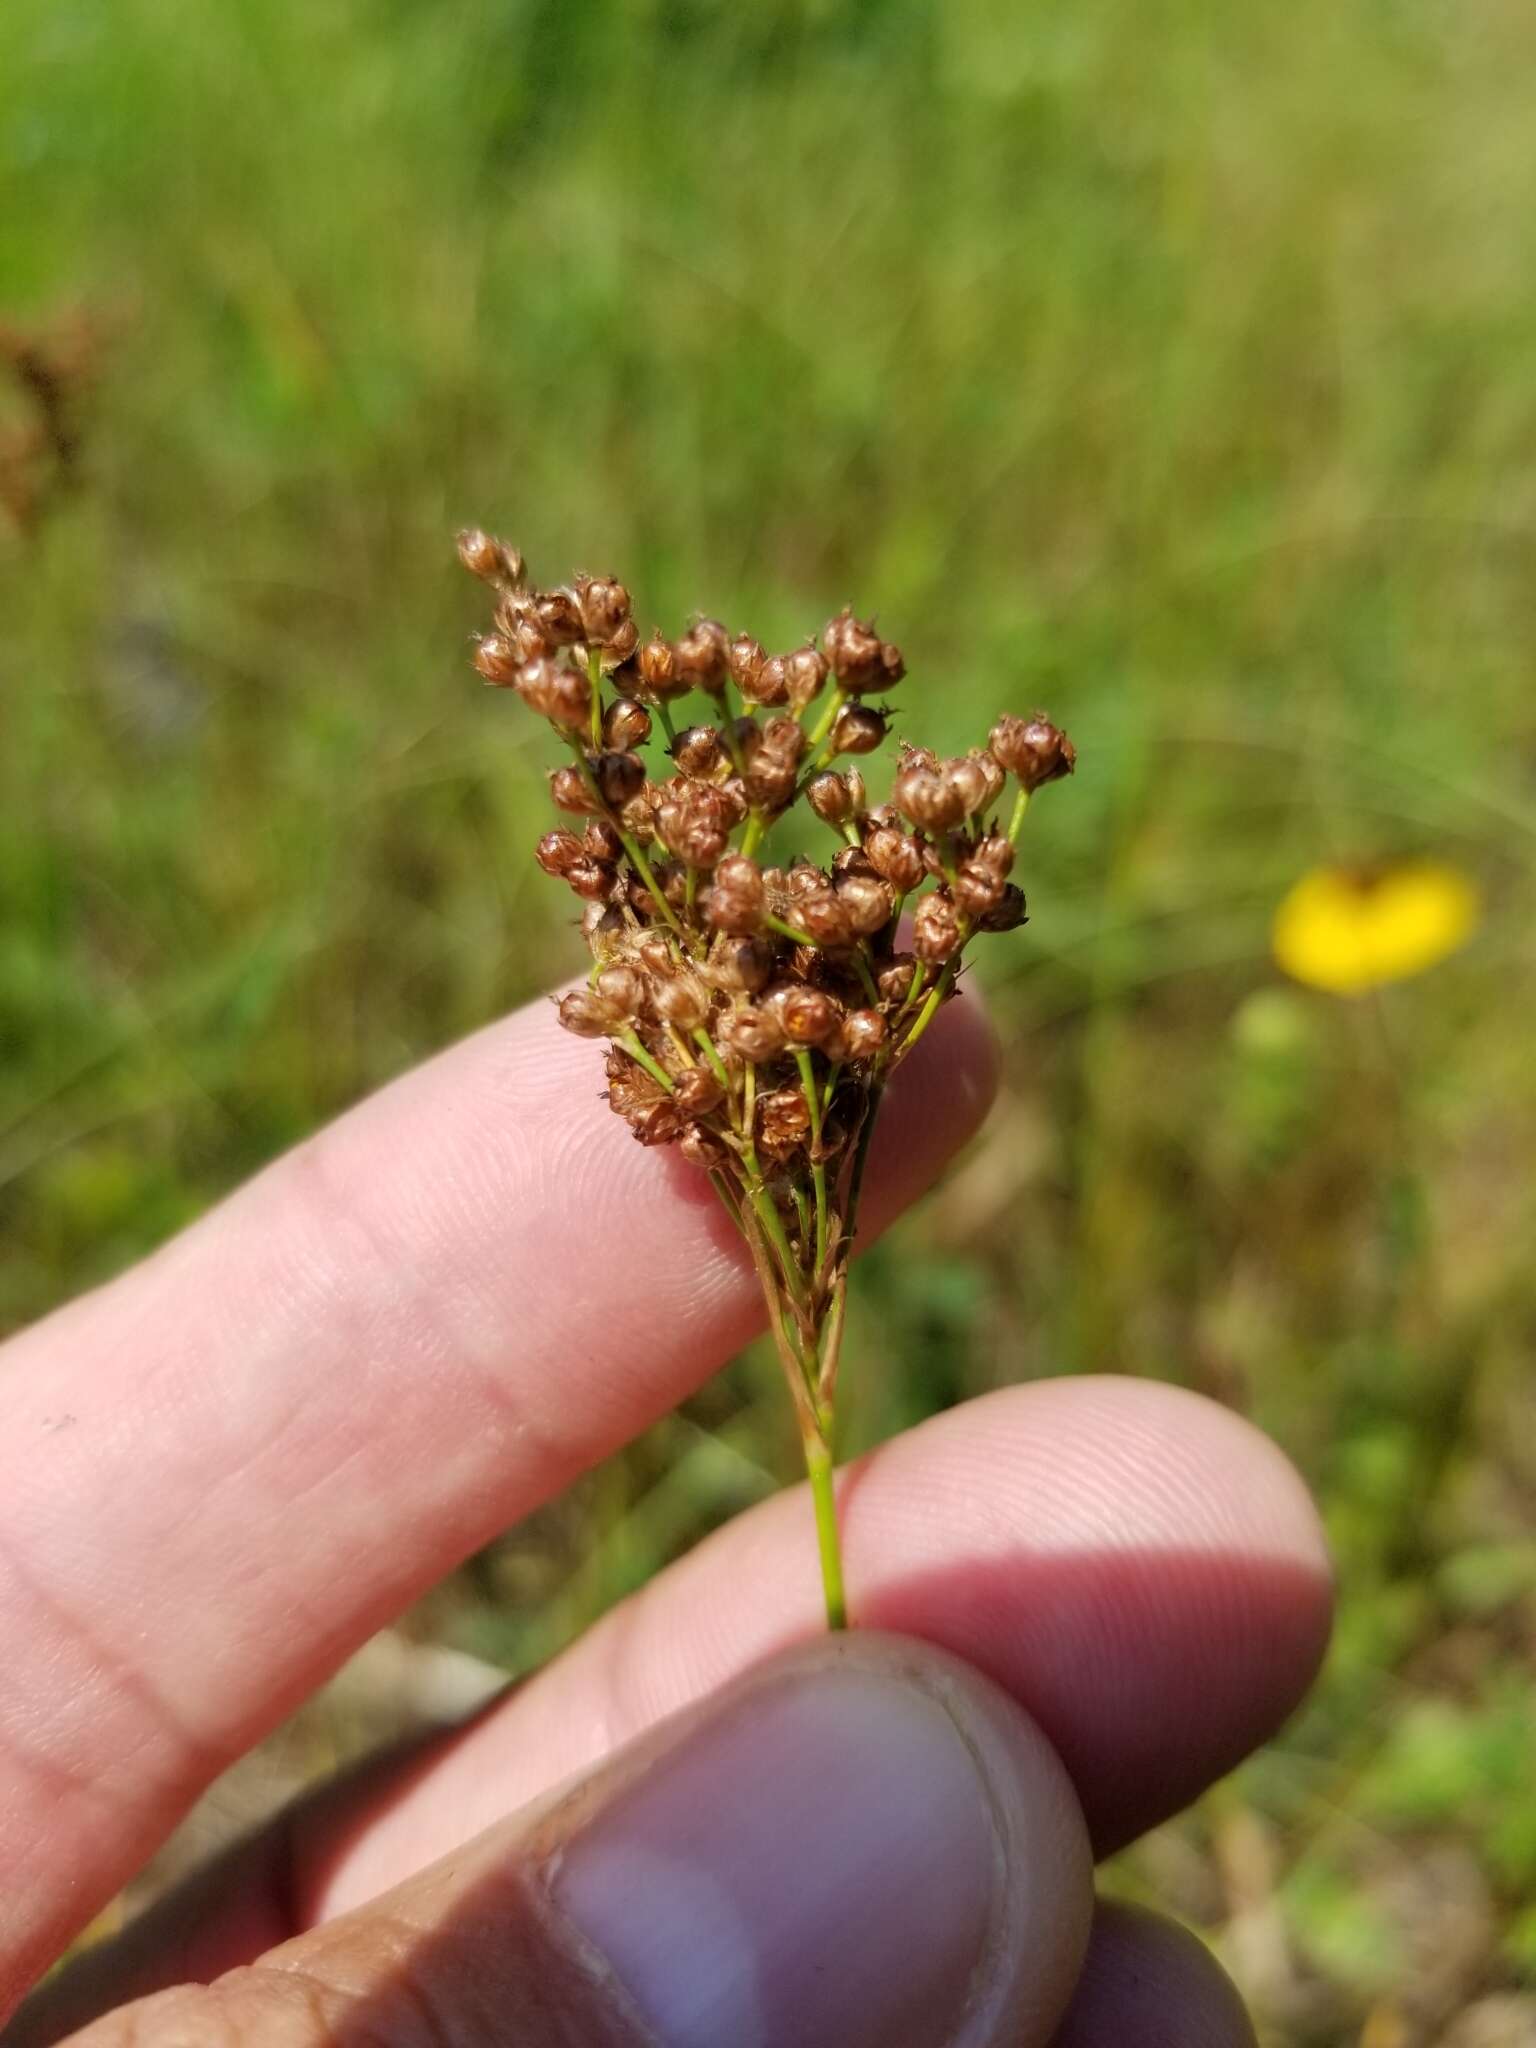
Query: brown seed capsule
{"x":744,"y":658}
{"x":936,"y":928}
{"x":977,"y":890}
{"x":1007,"y":914}
{"x":591,"y":879}
{"x":586,"y":1014}
{"x":622,"y":988}
{"x":1033,"y":749}
{"x":602,"y":842}
{"x":601,"y":925}
{"x":626,"y":724}
{"x":860,"y":659}
{"x":805,"y":672}
{"x":558,"y":694}
{"x":515,"y":619}
{"x":702,"y":655}
{"x":733,"y":794}
{"x":630,"y":1087}
{"x":995,"y":854}
{"x":621,"y":644}
{"x":825,"y":918}
{"x":745,"y":735}
{"x":694,"y":820}
{"x":807,"y":1016}
{"x":740,"y":966}
{"x":753,"y":1034}
{"x":698,"y":1092}
{"x":638,"y":817}
{"x":558,"y":852}
{"x":680,"y":998}
{"x":858,"y":729}
{"x":604,"y":605}
{"x":970,"y":782}
{"x":784,"y":740}
{"x":654,"y":952}
{"x":697,"y":751}
{"x":661,"y":1124}
{"x":702,"y":1147}
{"x":895,"y":978}
{"x":497,"y":659}
{"x":659,"y":677}
{"x":869,"y":902}
{"x":737,"y":901}
{"x":829,"y":796}
{"x":620,"y":777}
{"x":480,"y":554}
{"x":772,"y":682}
{"x":568,"y":791}
{"x":863,"y":1034}
{"x":895,"y":857}
{"x":559,"y":617}
{"x":783,"y":1120}
{"x":770,"y":783}
{"x":923,"y":795}
{"x":804,"y":879}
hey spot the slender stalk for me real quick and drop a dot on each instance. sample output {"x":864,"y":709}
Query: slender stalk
{"x":818,"y":1169}
{"x":595,"y":672}
{"x":818,"y":1466}
{"x":752,"y":838}
{"x":637,"y":1051}
{"x":1016,"y":822}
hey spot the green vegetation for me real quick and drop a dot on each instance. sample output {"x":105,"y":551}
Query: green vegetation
{"x":1179,"y":360}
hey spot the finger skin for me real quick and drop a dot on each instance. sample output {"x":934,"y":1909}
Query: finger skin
{"x":221,"y":1474}
{"x":1148,"y":1983}
{"x":1140,"y":1569}
{"x":497,"y":1943}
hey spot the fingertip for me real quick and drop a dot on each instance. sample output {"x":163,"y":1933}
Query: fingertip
{"x":1149,"y":1983}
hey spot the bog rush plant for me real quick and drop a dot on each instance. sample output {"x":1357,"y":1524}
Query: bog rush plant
{"x":755,"y":1012}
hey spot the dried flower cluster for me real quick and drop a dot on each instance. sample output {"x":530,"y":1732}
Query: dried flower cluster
{"x":755,"y":1010}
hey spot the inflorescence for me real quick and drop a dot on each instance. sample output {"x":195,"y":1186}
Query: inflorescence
{"x":755,"y":1010}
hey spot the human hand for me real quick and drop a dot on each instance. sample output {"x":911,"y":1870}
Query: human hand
{"x":221,"y":1474}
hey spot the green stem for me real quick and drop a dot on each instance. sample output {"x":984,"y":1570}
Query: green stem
{"x":818,"y":1466}
{"x":666,"y":723}
{"x":1015,"y":823}
{"x":788,"y":931}
{"x":926,"y":1014}
{"x":752,"y":838}
{"x":637,"y":1051}
{"x":595,"y":673}
{"x":823,"y":726}
{"x":635,"y":857}
{"x":818,"y":1167}
{"x":861,"y":962}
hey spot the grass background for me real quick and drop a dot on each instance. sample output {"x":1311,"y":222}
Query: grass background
{"x":1170,"y":365}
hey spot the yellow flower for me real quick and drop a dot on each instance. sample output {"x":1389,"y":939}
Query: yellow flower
{"x":1348,"y":930}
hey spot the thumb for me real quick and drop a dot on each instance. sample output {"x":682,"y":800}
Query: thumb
{"x":861,"y":1844}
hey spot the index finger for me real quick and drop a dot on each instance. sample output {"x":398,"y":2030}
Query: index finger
{"x":222,"y":1473}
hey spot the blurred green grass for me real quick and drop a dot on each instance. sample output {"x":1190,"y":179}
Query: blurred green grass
{"x":1173,"y":363}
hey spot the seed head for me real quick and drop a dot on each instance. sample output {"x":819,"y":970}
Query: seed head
{"x":860,"y":659}
{"x":703,"y":656}
{"x":977,"y":890}
{"x":1033,"y":749}
{"x":928,"y":798}
{"x":1008,"y":914}
{"x":602,"y":842}
{"x":703,"y":1147}
{"x":830,"y":797}
{"x":661,"y":1124}
{"x":698,"y":751}
{"x":995,"y":853}
{"x":936,"y":928}
{"x":784,"y":740}
{"x":659,"y":672}
{"x":497,"y":659}
{"x":868,"y":902}
{"x":806,"y":1016}
{"x":740,"y":966}
{"x":591,"y":879}
{"x":752,"y":1034}
{"x":772,"y":685}
{"x":569,"y":792}
{"x":783,"y":1120}
{"x":698,"y":1092}
{"x":894,"y":857}
{"x":558,"y":852}
{"x":680,"y":998}
{"x":894,"y":980}
{"x":586,"y":1014}
{"x":976,"y":779}
{"x":737,"y":901}
{"x":770,"y":782}
{"x":826,"y":918}
{"x":559,"y":617}
{"x":480,"y":554}
{"x":805,"y":673}
{"x":744,"y":658}
{"x":558,"y":694}
{"x":858,"y":729}
{"x":626,"y":724}
{"x":864,"y":1033}
{"x":604,"y":606}
{"x":622,"y":988}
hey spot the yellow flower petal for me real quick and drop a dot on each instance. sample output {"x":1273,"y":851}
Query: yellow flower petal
{"x":1347,"y":931}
